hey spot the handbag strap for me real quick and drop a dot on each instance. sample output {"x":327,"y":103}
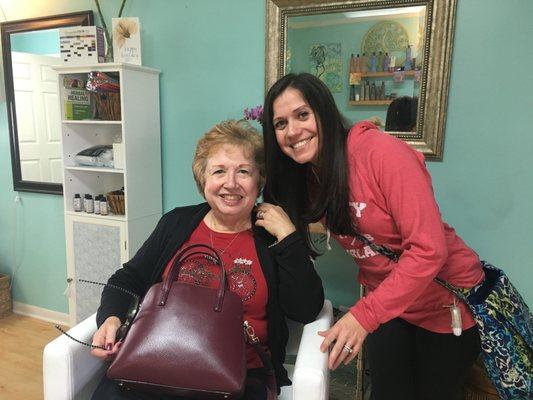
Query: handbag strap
{"x":252,"y":339}
{"x":184,"y":255}
{"x":389,"y":253}
{"x":395,"y":256}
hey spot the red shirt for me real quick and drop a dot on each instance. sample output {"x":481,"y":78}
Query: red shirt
{"x":244,"y":274}
{"x":393,"y":204}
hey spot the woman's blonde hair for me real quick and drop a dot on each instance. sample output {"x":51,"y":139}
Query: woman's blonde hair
{"x":235,"y":133}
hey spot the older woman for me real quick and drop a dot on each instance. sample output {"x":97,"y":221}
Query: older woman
{"x":270,"y":268}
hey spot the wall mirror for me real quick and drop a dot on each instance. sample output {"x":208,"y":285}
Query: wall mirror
{"x":30,"y":48}
{"x":407,"y":42}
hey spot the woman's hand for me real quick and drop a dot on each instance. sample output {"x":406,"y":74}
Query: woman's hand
{"x":275,"y":220}
{"x":105,"y":336}
{"x":346,"y":332}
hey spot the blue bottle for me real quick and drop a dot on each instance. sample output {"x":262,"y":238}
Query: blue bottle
{"x":373,"y":62}
{"x":408,"y":58}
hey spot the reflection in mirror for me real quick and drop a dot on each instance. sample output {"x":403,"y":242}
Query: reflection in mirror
{"x":367,"y":58}
{"x":30,"y":48}
{"x":415,"y":41}
{"x":37,"y":106}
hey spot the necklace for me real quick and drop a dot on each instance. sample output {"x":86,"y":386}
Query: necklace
{"x":225,"y":248}
{"x":215,"y":224}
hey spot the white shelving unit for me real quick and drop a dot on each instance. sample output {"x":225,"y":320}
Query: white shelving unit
{"x":97,"y":245}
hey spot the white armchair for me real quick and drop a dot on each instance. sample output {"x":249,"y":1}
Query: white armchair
{"x":71,"y":373}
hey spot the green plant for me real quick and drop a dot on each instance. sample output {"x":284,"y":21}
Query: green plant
{"x":108,"y":37}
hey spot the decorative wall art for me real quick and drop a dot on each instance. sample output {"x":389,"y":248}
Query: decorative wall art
{"x":387,"y":37}
{"x":326,"y":63}
{"x":127,"y":40}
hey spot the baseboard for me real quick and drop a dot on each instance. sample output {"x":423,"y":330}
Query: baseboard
{"x":41,"y":313}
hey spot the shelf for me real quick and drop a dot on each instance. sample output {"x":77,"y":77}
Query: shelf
{"x":385,"y":74}
{"x":370,"y":103}
{"x":110,"y":216}
{"x":106,"y":67}
{"x":95,"y":169}
{"x":90,"y":122}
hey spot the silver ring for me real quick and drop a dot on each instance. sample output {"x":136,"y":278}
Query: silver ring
{"x":348,"y":349}
{"x":260,"y":214}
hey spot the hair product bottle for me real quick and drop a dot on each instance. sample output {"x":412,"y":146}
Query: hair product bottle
{"x":380,"y":62}
{"x":386,"y":62}
{"x":373,"y":62}
{"x":392,"y":65}
{"x":77,"y":202}
{"x":97,"y":204}
{"x":364,"y":63}
{"x":103,"y":206}
{"x":88,"y":204}
{"x":357,"y":64}
{"x":408,"y":58}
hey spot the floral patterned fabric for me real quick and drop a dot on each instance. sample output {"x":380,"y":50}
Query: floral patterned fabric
{"x":505,"y":326}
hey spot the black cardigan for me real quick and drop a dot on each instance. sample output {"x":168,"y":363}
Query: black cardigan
{"x":294,"y":288}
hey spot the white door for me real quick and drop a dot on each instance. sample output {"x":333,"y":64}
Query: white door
{"x":38,"y":117}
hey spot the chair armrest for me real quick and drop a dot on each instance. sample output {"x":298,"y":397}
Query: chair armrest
{"x":67,"y":365}
{"x":311,"y":372}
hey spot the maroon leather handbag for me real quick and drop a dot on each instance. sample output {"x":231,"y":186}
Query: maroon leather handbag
{"x":186,"y":340}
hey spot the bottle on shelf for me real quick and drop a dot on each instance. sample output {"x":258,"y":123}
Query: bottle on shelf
{"x":392,"y":63}
{"x":386,"y":62}
{"x":77,"y":202}
{"x":367,"y":91}
{"x":353,"y":64}
{"x":352,"y":71}
{"x":408,"y":58}
{"x":380,"y":62}
{"x":364,"y":63}
{"x":97,"y":204}
{"x":382,"y":91}
{"x":373,"y":62}
{"x":88,"y":204}
{"x":103,"y":206}
{"x":358,"y":64}
{"x":373,"y":91}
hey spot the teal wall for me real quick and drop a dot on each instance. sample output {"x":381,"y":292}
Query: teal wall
{"x":39,"y":42}
{"x":211,"y":54}
{"x":350,"y":37}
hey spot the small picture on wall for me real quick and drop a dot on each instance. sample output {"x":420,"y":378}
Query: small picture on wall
{"x":127,"y":40}
{"x":326,"y":63}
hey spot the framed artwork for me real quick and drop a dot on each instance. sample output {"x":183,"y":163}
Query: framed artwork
{"x":326,"y":63}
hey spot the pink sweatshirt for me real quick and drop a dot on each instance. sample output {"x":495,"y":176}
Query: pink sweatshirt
{"x":393,"y":205}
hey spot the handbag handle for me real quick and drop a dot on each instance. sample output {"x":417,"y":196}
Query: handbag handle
{"x":183,"y":256}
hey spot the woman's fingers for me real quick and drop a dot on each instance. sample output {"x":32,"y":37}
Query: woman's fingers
{"x":347,"y":336}
{"x":275,"y":220}
{"x":337,"y":354}
{"x":105,"y":337}
{"x":329,"y":339}
{"x":110,"y":335}
{"x":350,"y":358}
{"x":99,"y":340}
